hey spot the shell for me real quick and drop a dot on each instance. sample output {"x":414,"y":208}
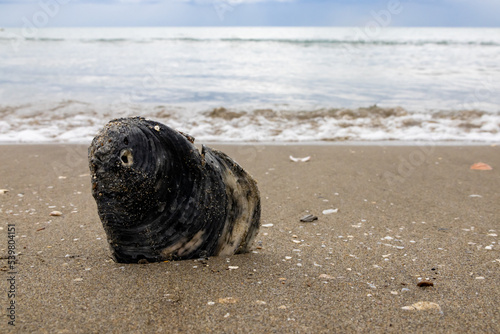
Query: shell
{"x":161,"y":199}
{"x":481,"y":166}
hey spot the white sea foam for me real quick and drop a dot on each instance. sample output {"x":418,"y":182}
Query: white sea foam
{"x":72,"y":121}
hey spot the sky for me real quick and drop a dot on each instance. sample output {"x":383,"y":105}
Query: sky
{"x":102,"y":13}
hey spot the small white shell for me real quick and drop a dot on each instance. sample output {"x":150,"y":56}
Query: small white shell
{"x":306,"y":159}
{"x":423,"y":306}
{"x":330,"y":211}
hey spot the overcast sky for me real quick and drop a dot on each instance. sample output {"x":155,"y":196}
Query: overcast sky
{"x":57,"y":13}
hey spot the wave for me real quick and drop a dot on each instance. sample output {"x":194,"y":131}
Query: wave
{"x":307,"y":42}
{"x":298,"y":42}
{"x":76,"y":121}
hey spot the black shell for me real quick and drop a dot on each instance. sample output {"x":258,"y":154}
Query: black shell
{"x":160,"y":199}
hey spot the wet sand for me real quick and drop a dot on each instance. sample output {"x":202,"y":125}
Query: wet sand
{"x":405,"y":214}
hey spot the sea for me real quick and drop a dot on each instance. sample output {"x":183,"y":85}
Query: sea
{"x":253,"y":84}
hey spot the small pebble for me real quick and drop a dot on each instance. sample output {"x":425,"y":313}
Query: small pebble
{"x":423,"y":284}
{"x":228,"y":300}
{"x":308,"y":218}
{"x":325,"y":276}
{"x":55,"y":213}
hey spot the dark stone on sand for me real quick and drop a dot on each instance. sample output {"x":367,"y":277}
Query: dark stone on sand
{"x":308,"y":218}
{"x":424,"y":284}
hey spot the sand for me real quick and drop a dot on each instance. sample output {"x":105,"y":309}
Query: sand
{"x":405,"y":214}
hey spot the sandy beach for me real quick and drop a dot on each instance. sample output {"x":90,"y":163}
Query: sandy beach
{"x":406,"y":214}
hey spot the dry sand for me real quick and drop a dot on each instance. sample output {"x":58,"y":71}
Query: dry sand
{"x":405,"y":214}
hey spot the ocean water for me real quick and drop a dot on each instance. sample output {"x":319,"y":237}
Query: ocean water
{"x":253,"y":84}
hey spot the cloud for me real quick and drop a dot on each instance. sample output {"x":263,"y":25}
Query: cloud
{"x":231,"y":2}
{"x":194,"y":2}
{"x":137,"y":1}
{"x":252,"y":12}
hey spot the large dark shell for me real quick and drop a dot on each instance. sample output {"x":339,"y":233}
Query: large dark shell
{"x":160,"y":199}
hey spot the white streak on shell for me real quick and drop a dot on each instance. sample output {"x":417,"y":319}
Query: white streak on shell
{"x":231,"y":240}
{"x":184,"y":246}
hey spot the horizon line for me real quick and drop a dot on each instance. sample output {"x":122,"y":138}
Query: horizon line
{"x":250,"y":26}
